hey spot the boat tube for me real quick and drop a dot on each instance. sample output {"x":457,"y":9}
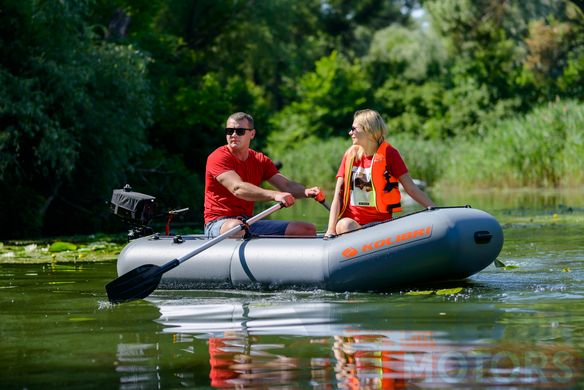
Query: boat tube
{"x":437,"y":244}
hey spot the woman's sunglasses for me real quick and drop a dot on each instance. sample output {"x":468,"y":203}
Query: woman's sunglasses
{"x":237,"y":130}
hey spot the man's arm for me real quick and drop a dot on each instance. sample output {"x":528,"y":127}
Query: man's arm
{"x":282,"y":183}
{"x":247,"y":191}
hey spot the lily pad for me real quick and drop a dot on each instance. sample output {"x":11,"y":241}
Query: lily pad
{"x":426,"y":292}
{"x":61,"y":246}
{"x":449,"y":291}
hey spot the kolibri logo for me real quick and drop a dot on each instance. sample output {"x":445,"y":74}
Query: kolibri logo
{"x":389,"y":241}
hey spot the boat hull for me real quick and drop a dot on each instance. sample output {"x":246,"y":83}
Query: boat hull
{"x":432,"y":245}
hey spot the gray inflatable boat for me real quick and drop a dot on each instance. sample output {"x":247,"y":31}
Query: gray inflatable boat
{"x":432,"y":245}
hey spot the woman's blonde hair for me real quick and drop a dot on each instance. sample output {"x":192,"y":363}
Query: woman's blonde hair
{"x":373,"y":124}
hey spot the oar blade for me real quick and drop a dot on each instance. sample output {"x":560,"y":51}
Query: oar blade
{"x":136,"y":284}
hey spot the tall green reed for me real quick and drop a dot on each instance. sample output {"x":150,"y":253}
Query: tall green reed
{"x":540,"y":149}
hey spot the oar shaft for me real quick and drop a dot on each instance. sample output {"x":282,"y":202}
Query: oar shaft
{"x":265,"y":213}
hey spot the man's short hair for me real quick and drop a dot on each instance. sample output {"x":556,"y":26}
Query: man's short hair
{"x":238,"y":116}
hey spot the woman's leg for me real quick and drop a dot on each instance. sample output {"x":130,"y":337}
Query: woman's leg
{"x":347,"y":225}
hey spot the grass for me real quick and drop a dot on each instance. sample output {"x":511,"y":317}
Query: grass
{"x":541,"y":149}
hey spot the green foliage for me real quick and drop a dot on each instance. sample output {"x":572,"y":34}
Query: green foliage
{"x":98,"y":93}
{"x":408,"y":64}
{"x":327,"y":99}
{"x":60,"y":246}
{"x":72,"y":111}
{"x":416,"y":109}
{"x":248,"y":39}
{"x":569,"y":79}
{"x":192,"y":115}
{"x":484,"y":62}
{"x":515,"y":50}
{"x":425,"y":92}
{"x":572,"y":80}
{"x":404,"y":54}
{"x":352,"y":24}
{"x":541,"y":149}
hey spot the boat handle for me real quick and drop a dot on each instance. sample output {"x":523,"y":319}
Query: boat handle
{"x":482,"y":237}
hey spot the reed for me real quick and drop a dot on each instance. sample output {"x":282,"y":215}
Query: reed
{"x":540,"y":149}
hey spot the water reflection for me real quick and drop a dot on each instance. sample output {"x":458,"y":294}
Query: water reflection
{"x":133,"y":365}
{"x":346,"y":344}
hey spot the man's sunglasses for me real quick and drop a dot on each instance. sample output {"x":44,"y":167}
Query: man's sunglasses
{"x":238,"y":130}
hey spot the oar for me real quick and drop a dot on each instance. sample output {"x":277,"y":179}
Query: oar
{"x":141,"y":281}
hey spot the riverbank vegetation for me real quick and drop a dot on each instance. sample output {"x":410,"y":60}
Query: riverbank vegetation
{"x":542,"y":148}
{"x":95,"y":94}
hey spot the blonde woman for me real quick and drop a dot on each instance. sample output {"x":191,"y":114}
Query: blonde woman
{"x":368,"y":178}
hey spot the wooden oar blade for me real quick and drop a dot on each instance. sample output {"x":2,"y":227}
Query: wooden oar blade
{"x":136,"y":284}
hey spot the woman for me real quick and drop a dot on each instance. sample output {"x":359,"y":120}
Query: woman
{"x":368,"y":178}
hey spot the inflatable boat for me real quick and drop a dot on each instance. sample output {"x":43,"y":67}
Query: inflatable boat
{"x":438,"y":244}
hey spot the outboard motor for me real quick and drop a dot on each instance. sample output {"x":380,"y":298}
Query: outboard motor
{"x":137,"y":209}
{"x":134,"y":208}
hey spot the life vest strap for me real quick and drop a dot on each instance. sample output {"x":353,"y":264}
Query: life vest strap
{"x":393,"y":207}
{"x":390,"y":186}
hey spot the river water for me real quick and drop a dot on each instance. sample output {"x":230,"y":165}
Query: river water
{"x":519,"y":326}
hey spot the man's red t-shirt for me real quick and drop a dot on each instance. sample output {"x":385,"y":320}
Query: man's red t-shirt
{"x":219,"y":202}
{"x":361,"y":207}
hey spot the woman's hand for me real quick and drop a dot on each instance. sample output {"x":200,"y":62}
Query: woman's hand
{"x":330,"y":234}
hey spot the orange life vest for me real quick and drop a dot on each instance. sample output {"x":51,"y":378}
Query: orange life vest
{"x":385,"y":186}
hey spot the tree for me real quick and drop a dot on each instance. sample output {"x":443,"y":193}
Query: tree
{"x":327,"y":99}
{"x":73,"y":110}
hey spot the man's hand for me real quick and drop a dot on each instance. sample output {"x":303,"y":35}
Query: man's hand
{"x":285,"y":198}
{"x":313,"y":192}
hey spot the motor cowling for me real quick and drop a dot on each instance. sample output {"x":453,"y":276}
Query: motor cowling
{"x":134,"y":208}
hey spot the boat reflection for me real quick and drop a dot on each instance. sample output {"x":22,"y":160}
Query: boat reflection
{"x":353,"y":345}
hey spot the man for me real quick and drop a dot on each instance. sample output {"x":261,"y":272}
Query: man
{"x":232,"y":184}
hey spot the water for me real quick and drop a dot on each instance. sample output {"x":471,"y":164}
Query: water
{"x":516,"y":327}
